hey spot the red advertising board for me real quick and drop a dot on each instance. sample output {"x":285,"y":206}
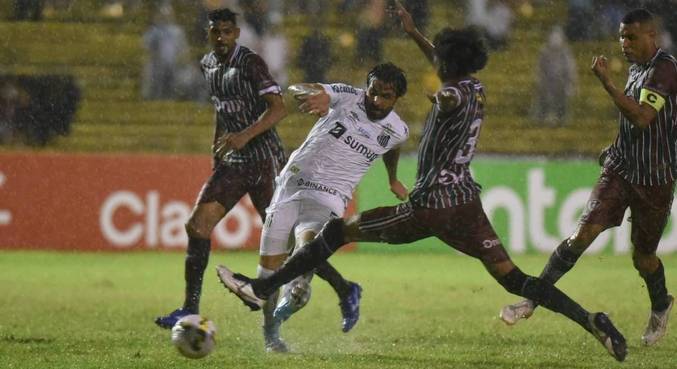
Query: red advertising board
{"x":110,"y":202}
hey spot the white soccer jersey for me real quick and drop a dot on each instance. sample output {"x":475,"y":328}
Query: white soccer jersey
{"x":339,"y":149}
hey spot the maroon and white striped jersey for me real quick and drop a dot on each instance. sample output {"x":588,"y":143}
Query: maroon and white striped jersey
{"x":648,"y":156}
{"x":237,"y":87}
{"x":447,"y":146}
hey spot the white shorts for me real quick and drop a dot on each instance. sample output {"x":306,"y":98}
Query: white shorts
{"x":292,"y":218}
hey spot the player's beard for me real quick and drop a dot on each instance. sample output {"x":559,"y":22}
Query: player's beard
{"x":223,"y":51}
{"x":375,"y":113}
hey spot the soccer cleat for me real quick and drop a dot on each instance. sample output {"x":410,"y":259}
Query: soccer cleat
{"x":605,"y":332}
{"x":272,"y":341}
{"x":295,"y":296}
{"x":511,"y":314}
{"x":350,"y":307}
{"x":168,"y":321}
{"x":658,"y":324}
{"x":240,"y":286}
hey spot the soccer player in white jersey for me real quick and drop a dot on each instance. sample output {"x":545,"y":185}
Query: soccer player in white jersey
{"x":319,"y":179}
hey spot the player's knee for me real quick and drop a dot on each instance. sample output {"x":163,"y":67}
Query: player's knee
{"x":333,"y":233}
{"x":196,"y":230}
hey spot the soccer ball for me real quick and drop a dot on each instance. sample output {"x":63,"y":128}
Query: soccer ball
{"x":193,"y":336}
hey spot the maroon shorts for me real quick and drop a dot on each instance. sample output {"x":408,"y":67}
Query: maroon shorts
{"x":649,"y":208}
{"x":463,"y":227}
{"x":230,"y":181}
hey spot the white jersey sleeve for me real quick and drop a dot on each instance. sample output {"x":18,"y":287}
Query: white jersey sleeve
{"x":341,"y":94}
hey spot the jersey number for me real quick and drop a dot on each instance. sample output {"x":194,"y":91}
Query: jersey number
{"x":464,"y":154}
{"x":338,"y":131}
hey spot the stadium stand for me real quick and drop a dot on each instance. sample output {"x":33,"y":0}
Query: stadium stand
{"x":106,"y":57}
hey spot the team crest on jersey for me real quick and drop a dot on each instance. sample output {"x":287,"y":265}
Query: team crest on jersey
{"x":383,"y":139}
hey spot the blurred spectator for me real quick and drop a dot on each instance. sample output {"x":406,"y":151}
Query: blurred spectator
{"x":556,"y":80}
{"x":493,"y":17}
{"x":166,"y":45}
{"x":274,"y":51}
{"x":9,"y":99}
{"x":28,"y":9}
{"x":314,"y":57}
{"x":370,"y":32}
{"x":579,"y":25}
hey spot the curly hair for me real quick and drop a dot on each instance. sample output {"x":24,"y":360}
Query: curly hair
{"x":460,"y":51}
{"x":391,"y":74}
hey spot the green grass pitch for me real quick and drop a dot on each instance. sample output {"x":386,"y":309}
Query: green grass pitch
{"x":428,"y":310}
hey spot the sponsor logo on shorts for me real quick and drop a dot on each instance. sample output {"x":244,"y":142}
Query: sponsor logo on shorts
{"x":315,"y":186}
{"x":487,"y":244}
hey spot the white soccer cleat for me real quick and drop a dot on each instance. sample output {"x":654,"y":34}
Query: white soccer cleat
{"x":295,"y":295}
{"x":241,"y":287}
{"x":511,"y":314}
{"x":658,"y":324}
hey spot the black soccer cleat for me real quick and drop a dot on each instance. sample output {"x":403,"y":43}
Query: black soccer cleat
{"x":605,"y":332}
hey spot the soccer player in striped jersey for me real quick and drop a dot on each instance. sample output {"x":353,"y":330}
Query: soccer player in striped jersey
{"x":638,"y":170}
{"x":445,"y":201}
{"x":247,"y":150}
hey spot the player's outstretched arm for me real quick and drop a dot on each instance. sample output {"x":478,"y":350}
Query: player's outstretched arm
{"x":410,"y":28}
{"x":390,"y":159}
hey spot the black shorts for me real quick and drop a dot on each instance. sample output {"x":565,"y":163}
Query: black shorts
{"x":464,"y":227}
{"x":650,"y":208}
{"x":230,"y":181}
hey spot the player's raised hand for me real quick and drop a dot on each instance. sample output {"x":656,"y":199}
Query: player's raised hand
{"x":399,"y":189}
{"x":314,"y":104}
{"x":398,"y":10}
{"x":600,"y":67}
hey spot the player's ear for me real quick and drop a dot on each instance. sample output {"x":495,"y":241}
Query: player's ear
{"x":237,"y":32}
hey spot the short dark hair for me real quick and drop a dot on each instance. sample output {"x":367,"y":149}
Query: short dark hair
{"x":640,"y":15}
{"x":460,"y":51}
{"x":223,"y":14}
{"x":390,"y":74}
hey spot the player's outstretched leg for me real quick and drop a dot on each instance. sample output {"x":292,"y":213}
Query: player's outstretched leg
{"x":548,"y":296}
{"x":561,"y":261}
{"x":658,"y":324}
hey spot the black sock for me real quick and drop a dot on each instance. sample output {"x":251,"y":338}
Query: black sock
{"x":304,"y":260}
{"x":197,"y":258}
{"x":327,"y":272}
{"x":655,"y":283}
{"x":545,"y":294}
{"x":560,"y":262}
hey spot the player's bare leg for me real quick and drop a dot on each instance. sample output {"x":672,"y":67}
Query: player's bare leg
{"x":561,"y":261}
